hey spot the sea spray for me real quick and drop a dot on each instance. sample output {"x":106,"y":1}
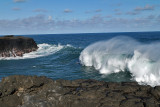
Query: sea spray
{"x":123,"y":54}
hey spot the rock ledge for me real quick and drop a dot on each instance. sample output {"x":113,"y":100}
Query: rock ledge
{"x":33,"y":91}
{"x":12,"y":46}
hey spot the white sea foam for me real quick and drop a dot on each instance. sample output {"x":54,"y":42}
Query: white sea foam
{"x":43,"y":50}
{"x":125,"y":54}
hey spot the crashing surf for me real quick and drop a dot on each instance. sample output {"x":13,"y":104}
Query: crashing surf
{"x":123,"y":54}
{"x":43,"y":50}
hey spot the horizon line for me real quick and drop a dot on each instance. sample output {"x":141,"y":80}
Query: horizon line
{"x":78,"y":33}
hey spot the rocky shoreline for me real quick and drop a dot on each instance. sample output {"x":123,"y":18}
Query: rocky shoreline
{"x":33,"y":91}
{"x":12,"y":46}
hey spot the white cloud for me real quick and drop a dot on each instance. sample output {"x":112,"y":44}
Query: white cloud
{"x":40,"y":10}
{"x":119,"y":13}
{"x":109,"y":16}
{"x":16,"y":9}
{"x":116,"y":10}
{"x":98,"y":10}
{"x":138,"y":10}
{"x":33,"y":24}
{"x":132,"y":13}
{"x":43,"y":24}
{"x":19,"y":1}
{"x":87,"y":12}
{"x":67,"y":10}
{"x":147,"y":7}
{"x":50,"y":18}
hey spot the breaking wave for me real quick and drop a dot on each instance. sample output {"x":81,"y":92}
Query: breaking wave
{"x":43,"y":50}
{"x":123,"y":54}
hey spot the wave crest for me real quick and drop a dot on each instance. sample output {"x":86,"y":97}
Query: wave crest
{"x":122,"y":54}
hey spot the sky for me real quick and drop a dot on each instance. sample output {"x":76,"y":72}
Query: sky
{"x":78,"y":16}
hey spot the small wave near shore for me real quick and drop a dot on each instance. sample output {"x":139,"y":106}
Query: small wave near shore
{"x":43,"y":50}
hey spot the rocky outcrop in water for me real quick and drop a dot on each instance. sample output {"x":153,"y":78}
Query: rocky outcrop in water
{"x":33,"y":91}
{"x":12,"y":46}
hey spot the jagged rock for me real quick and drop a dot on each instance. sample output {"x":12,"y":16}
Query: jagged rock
{"x":12,"y":46}
{"x":33,"y":91}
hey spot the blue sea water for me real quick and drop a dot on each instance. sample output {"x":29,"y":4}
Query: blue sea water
{"x":59,"y":57}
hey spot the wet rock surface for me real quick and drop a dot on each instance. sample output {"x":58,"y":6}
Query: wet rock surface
{"x":12,"y":46}
{"x":33,"y":91}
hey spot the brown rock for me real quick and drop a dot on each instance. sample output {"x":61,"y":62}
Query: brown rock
{"x":16,"y":46}
{"x":33,"y":91}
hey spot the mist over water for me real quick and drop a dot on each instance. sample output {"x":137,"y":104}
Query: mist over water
{"x":124,"y":54}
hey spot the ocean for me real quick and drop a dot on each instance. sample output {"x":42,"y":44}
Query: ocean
{"x":113,"y":57}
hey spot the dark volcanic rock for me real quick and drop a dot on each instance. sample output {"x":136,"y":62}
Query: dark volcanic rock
{"x":32,"y":91}
{"x":16,"y":46}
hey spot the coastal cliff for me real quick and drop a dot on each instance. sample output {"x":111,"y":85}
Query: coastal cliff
{"x":12,"y":46}
{"x":33,"y":91}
